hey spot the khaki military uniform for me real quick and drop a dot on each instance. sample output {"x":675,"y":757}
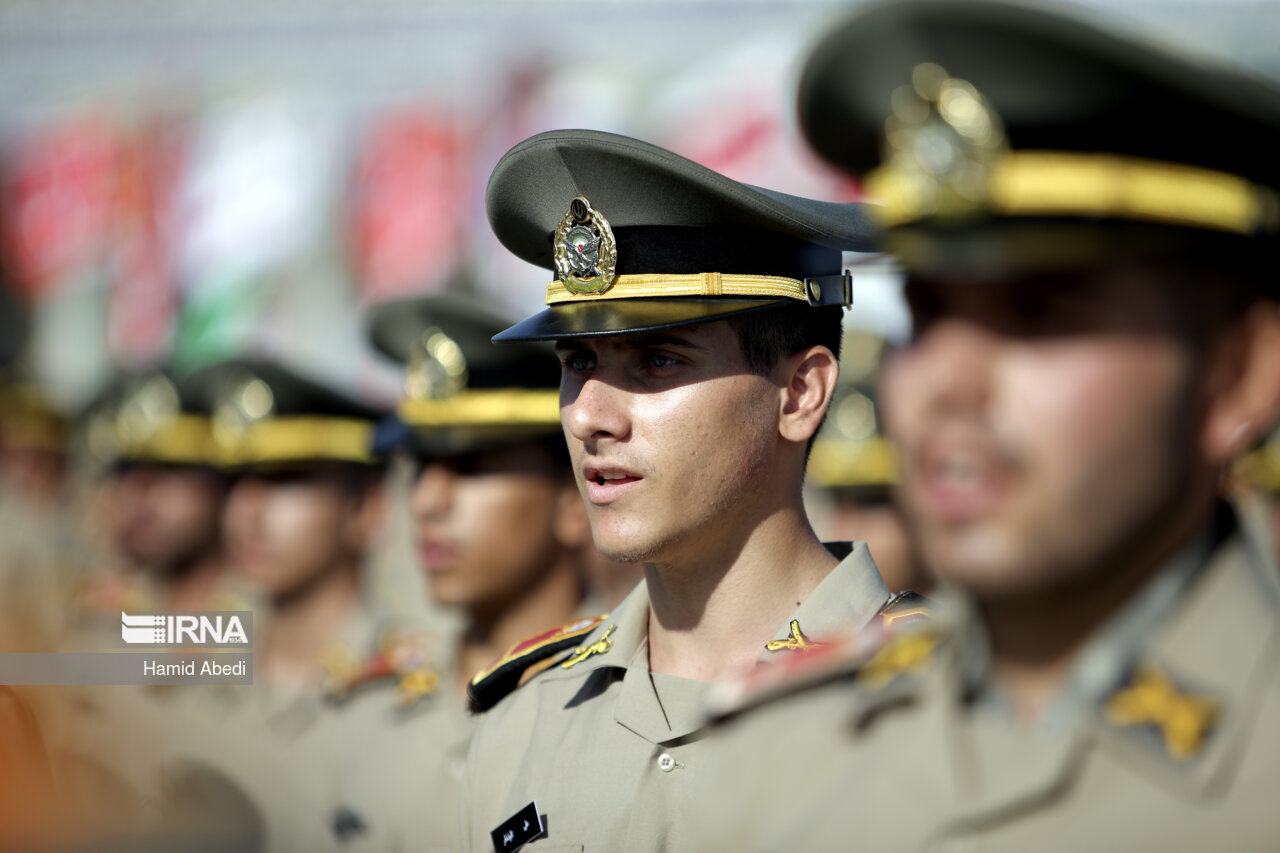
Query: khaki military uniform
{"x":610,"y":751}
{"x":283,"y":746}
{"x":1165,"y":738}
{"x":397,"y":784}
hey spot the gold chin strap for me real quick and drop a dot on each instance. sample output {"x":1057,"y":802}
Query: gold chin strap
{"x":705,"y":284}
{"x":1051,"y":183}
{"x":303,"y":438}
{"x":502,"y":407}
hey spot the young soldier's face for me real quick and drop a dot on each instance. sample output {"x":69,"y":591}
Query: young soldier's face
{"x":486,"y":524}
{"x":1046,"y":427}
{"x":286,"y":529}
{"x":672,"y":440}
{"x":163,"y":516}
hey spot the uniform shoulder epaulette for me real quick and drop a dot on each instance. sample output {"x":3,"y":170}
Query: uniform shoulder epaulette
{"x":903,"y":609}
{"x":491,"y":684}
{"x":400,"y":658}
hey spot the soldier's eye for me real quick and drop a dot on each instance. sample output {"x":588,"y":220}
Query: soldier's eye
{"x":577,"y":362}
{"x":657,"y":359}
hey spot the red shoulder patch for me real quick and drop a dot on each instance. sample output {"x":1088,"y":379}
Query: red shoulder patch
{"x":495,"y":681}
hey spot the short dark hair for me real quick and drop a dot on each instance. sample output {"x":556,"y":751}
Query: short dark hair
{"x":770,"y":335}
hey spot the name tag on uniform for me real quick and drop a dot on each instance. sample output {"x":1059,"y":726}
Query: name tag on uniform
{"x":517,"y":830}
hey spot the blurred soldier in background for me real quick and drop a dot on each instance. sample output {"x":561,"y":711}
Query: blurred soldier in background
{"x":43,"y":548}
{"x":305,"y":508}
{"x":501,"y":533}
{"x":855,"y":469}
{"x":161,"y":488}
{"x":1095,"y":337}
{"x":161,"y":499}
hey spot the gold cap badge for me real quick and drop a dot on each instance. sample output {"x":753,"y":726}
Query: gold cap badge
{"x":243,"y":400}
{"x":941,"y":143}
{"x":437,"y":368}
{"x":585,"y":253}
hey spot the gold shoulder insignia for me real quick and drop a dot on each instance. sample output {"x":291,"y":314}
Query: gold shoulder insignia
{"x":1152,"y":699}
{"x":909,"y":652}
{"x":400,"y":658}
{"x":797,"y":642}
{"x":835,"y":656}
{"x":599,"y":647}
{"x":491,"y":684}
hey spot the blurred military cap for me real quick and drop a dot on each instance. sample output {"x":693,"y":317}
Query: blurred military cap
{"x":266,"y":413}
{"x":998,"y":135}
{"x":851,"y":454}
{"x":149,"y":416}
{"x":462,"y":392}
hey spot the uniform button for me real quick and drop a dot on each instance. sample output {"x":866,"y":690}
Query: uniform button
{"x":666,"y":763}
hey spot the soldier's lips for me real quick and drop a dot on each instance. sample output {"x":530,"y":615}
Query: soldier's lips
{"x":956,"y":482}
{"x":437,"y":556}
{"x":253,"y":560}
{"x":607,"y":484}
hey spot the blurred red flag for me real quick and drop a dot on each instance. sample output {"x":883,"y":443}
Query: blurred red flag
{"x":144,"y":293}
{"x":58,"y":202}
{"x":408,"y":210}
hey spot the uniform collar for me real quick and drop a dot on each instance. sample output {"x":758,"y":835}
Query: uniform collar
{"x":1105,"y":657}
{"x":846,"y":600}
{"x":1176,"y":624}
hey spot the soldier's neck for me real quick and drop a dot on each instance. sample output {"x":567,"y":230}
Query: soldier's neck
{"x":1036,"y":636}
{"x":710,"y":619}
{"x":302,"y":625}
{"x":552,"y":599}
{"x":195,"y":588}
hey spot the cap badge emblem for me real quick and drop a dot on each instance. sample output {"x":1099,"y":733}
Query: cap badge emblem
{"x":941,"y":143}
{"x":437,"y":368}
{"x":242,"y":401}
{"x":585,"y":253}
{"x":149,"y":403}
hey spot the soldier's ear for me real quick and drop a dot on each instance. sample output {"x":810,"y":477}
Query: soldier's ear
{"x":1243,"y":384}
{"x":808,"y":381}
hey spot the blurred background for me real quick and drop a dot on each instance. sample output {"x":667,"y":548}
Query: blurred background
{"x":189,"y":180}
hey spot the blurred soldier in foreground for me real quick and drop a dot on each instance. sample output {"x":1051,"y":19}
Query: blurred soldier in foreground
{"x":1095,"y":338}
{"x":501,"y":533}
{"x":698,"y":324}
{"x":855,"y":468}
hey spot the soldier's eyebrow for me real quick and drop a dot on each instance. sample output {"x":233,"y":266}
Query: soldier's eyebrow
{"x":570,"y":345}
{"x":654,"y":339}
{"x":665,"y":339}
